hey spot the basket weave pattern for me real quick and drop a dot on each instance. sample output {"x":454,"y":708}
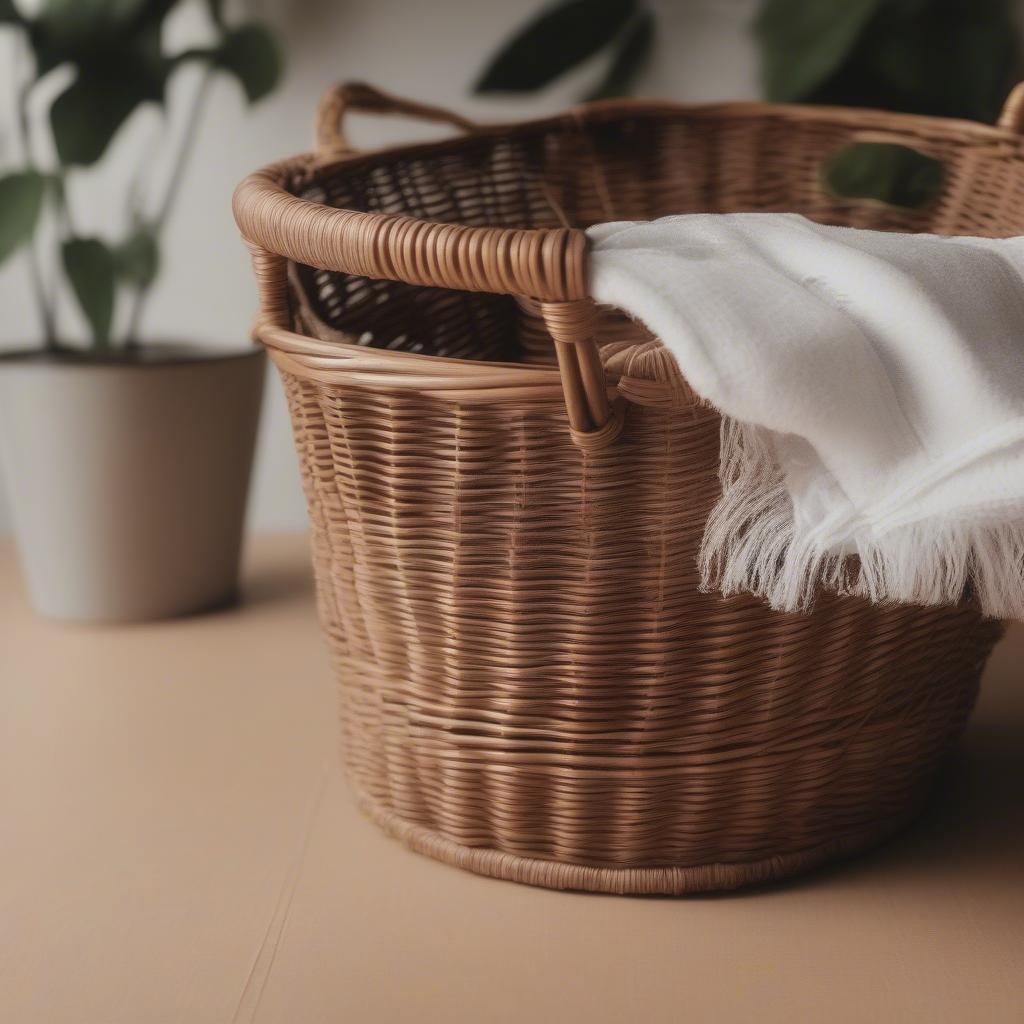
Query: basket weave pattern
{"x":531,"y":683}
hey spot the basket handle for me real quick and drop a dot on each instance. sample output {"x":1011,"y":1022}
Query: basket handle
{"x":346,"y":96}
{"x":594,"y":421}
{"x":1011,"y":117}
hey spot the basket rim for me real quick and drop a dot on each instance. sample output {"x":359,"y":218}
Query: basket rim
{"x":547,"y":264}
{"x":604,"y":111}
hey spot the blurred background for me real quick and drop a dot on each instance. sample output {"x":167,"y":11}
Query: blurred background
{"x":431,"y":51}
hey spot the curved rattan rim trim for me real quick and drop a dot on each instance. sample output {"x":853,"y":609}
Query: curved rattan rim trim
{"x":309,"y":350}
{"x":545,"y":263}
{"x":458,"y":380}
{"x":454,"y":380}
{"x":653,"y":881}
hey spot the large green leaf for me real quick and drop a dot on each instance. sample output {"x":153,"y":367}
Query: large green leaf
{"x":138,"y":257}
{"x":630,"y":56}
{"x":21,"y":201}
{"x":115,"y":49}
{"x":8,"y":12}
{"x":87,"y":114}
{"x":940,"y":57}
{"x":803,"y":42}
{"x":68,"y":29}
{"x":251,"y":54}
{"x":558,"y":39}
{"x":943,"y":57}
{"x":92,"y":271}
{"x":889,"y":173}
{"x":96,"y":33}
{"x":88,"y":15}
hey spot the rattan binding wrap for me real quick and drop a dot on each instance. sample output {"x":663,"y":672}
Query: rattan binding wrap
{"x":508,"y":487}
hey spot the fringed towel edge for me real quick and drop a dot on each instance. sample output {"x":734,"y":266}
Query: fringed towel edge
{"x":752,"y":544}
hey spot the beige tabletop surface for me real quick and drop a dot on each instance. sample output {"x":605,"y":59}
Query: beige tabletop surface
{"x":177,"y":844}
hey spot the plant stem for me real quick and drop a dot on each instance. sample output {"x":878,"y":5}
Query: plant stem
{"x":64,"y":221}
{"x":185,"y":147}
{"x":45,"y":305}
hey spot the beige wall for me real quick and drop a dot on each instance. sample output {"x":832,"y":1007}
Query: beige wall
{"x":429,"y":49}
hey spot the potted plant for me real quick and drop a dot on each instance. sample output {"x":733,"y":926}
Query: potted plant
{"x":126,"y":465}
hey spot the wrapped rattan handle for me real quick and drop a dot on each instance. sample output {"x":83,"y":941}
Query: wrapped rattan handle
{"x":593,"y":420}
{"x":340,"y":99}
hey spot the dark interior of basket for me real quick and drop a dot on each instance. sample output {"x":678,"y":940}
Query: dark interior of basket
{"x":631,"y":167}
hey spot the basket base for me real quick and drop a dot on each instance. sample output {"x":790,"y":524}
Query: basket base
{"x":651,"y":881}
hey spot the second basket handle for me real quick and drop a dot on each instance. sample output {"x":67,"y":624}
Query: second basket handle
{"x":338,"y":100}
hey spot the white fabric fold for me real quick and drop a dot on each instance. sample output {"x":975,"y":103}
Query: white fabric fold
{"x":872,"y":392}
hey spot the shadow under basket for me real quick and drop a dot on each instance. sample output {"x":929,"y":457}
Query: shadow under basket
{"x":508,"y":487}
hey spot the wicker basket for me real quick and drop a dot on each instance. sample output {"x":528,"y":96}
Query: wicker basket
{"x":508,"y":487}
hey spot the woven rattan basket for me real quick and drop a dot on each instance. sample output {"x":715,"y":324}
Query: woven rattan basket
{"x":508,"y":487}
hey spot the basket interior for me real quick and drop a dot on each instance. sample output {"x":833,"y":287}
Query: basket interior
{"x":580,"y":170}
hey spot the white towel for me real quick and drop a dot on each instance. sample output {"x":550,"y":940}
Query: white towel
{"x":872,"y":392}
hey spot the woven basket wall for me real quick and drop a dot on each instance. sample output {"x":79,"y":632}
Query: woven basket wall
{"x":505,"y":542}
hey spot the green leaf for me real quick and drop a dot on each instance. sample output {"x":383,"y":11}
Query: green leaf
{"x":888,"y":173}
{"x":938,"y":57}
{"x":89,"y":15}
{"x":803,"y":42}
{"x":9,"y":13}
{"x":119,"y":64}
{"x":631,"y":54}
{"x":87,"y":114}
{"x":21,"y":202}
{"x":96,"y":33}
{"x":138,"y":258}
{"x":558,"y":39}
{"x":92,"y":271}
{"x":944,"y":57}
{"x":251,"y":54}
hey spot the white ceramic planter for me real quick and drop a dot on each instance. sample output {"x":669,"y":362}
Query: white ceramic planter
{"x":128,"y":480}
